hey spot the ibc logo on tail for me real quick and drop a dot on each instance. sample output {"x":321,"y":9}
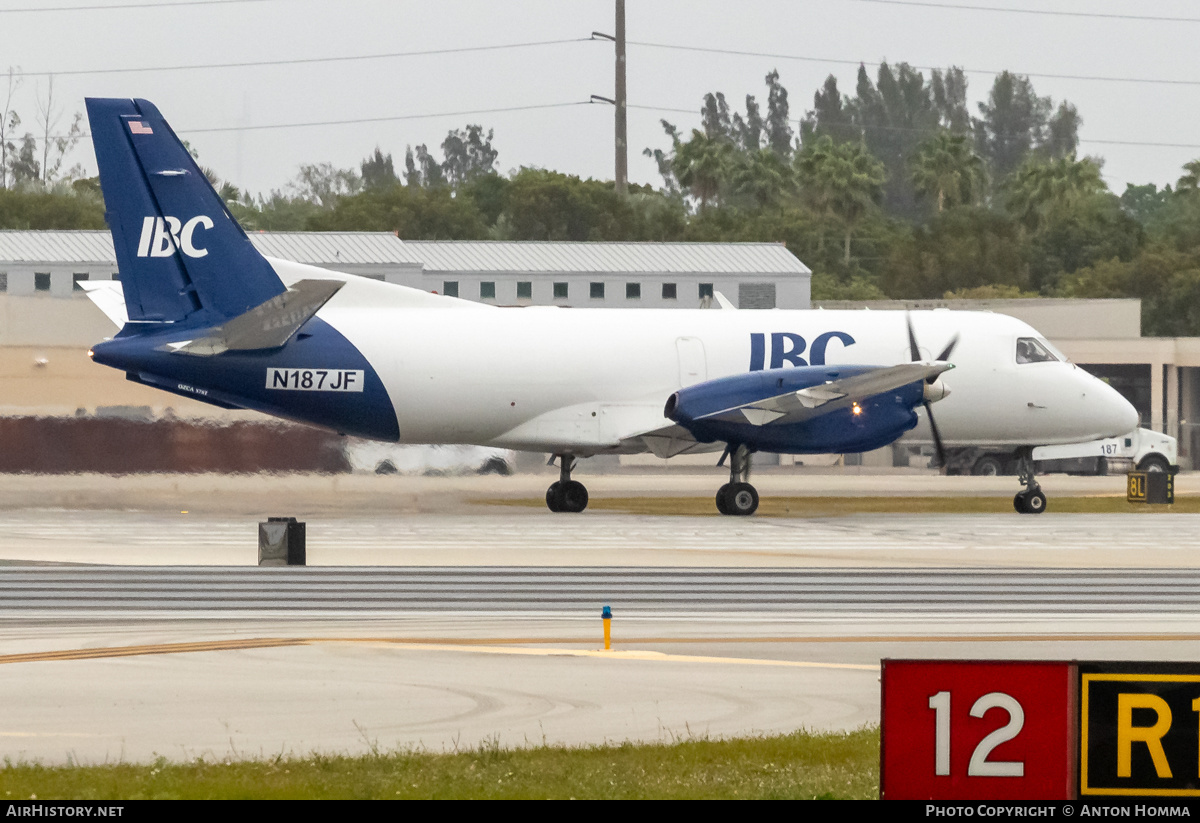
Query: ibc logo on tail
{"x":161,"y":236}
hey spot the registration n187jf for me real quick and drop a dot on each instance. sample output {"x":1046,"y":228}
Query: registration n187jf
{"x":315,"y":379}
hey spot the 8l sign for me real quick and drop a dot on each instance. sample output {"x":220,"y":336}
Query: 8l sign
{"x":989,"y":730}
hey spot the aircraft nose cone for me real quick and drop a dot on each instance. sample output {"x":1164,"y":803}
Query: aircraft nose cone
{"x":1118,"y":416}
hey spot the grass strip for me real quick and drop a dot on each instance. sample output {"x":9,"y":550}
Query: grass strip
{"x":840,"y":506}
{"x":799,"y":765}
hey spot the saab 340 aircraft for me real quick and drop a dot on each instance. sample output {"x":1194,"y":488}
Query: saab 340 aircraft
{"x":204,"y":315}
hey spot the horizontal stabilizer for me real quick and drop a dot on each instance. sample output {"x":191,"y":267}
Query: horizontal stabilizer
{"x":109,"y":298}
{"x":268,"y":325}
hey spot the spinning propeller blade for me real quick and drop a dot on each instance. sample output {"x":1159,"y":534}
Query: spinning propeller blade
{"x":915,"y":351}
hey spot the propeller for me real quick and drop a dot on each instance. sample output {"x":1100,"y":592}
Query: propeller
{"x":915,"y":351}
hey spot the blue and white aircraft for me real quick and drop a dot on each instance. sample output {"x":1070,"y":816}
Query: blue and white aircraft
{"x":204,"y":315}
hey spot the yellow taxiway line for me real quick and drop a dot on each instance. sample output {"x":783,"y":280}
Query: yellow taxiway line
{"x":554,"y":647}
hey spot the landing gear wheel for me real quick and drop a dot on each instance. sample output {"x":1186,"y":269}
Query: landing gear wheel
{"x":1035,"y":502}
{"x":566,"y":495}
{"x":741,"y":499}
{"x":571,"y":496}
{"x":722,"y":501}
{"x":554,"y":497}
{"x":1030,"y":502}
{"x":574,"y":496}
{"x":737,"y":497}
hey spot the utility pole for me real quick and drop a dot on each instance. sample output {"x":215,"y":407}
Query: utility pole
{"x":622,"y":140}
{"x":621,"y":171}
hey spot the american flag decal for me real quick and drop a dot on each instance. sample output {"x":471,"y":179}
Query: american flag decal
{"x":138,"y":127}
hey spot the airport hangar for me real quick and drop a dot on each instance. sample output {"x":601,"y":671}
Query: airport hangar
{"x":46,"y":323}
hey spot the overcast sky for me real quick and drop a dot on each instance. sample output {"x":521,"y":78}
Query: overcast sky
{"x":579,"y":138}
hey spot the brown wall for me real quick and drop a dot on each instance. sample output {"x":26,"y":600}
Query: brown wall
{"x":56,"y":445}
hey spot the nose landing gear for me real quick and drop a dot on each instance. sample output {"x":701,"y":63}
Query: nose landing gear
{"x":566,"y":495}
{"x":1033,"y":499}
{"x":738,"y":497}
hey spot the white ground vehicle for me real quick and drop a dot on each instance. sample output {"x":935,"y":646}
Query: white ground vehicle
{"x":391,"y":458}
{"x":1142,"y":449}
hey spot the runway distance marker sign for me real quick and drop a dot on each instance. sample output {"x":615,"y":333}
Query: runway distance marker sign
{"x":978,"y":730}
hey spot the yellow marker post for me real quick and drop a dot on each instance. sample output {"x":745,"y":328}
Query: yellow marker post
{"x":606,"y":616}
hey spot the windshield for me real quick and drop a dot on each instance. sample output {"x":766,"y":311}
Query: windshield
{"x":1032,"y":350}
{"x":1058,"y":355}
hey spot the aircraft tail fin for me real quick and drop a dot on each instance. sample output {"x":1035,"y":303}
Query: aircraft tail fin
{"x":182,"y":256}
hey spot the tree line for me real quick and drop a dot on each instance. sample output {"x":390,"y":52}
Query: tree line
{"x":898,"y":190}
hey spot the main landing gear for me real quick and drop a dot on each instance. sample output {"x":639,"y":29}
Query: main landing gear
{"x":1033,"y":499}
{"x":738,"y":497}
{"x":566,"y":495}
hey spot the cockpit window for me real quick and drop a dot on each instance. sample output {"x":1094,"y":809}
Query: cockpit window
{"x":1032,"y":350}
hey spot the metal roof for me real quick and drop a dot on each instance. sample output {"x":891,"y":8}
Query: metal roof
{"x":640,"y":258}
{"x":383,"y":248}
{"x":330,"y":248}
{"x":56,"y":247}
{"x":354,"y":248}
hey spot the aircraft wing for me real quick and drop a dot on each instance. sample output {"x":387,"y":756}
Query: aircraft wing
{"x":801,"y":405}
{"x":791,"y":407}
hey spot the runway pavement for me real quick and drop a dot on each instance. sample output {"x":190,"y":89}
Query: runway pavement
{"x":105,"y":660}
{"x":145,"y":592}
{"x":512,"y":536}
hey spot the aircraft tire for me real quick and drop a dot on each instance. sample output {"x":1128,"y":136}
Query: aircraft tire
{"x":574,"y":496}
{"x":1019,"y":503}
{"x":554,"y":497}
{"x":722,"y":503}
{"x":741,"y":499}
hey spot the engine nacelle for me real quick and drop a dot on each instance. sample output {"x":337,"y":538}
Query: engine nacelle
{"x":870,"y":423}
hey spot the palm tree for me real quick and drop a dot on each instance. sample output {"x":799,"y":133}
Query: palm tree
{"x":842,"y":181}
{"x":702,"y":166}
{"x":763,"y":175}
{"x":1040,"y":188}
{"x":946,"y":168}
{"x":1191,"y":180}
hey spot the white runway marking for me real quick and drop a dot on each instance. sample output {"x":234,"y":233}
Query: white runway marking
{"x":601,"y":538}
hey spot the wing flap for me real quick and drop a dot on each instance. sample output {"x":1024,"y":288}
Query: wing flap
{"x":669,"y":441}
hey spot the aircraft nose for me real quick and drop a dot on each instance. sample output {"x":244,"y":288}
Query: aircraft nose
{"x":1117,"y":415}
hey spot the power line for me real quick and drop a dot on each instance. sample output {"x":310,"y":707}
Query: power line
{"x":395,"y":118}
{"x":301,"y":60}
{"x":842,"y":62}
{"x":540,"y":43}
{"x":119,"y":6}
{"x":1043,"y":12}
